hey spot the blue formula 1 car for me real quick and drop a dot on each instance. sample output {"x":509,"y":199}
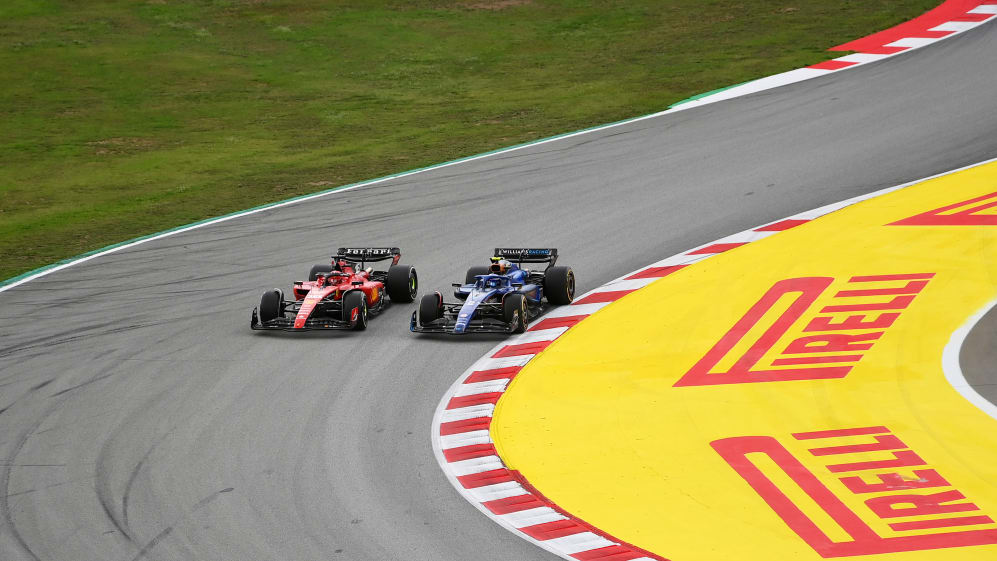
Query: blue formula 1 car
{"x":500,"y":298}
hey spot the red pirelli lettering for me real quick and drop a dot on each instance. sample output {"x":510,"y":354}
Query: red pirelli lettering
{"x":815,"y":359}
{"x":806,"y":291}
{"x":835,"y":433}
{"x":951,"y":215}
{"x":885,"y":278}
{"x":890,"y":506}
{"x":883,"y":442}
{"x":822,"y":335}
{"x":901,"y":458}
{"x":895,"y":303}
{"x":923,"y":478}
{"x":912,"y":287}
{"x":827,"y":323}
{"x":742,"y":454}
{"x":837,"y":352}
{"x":832,"y":343}
{"x":941,"y":523}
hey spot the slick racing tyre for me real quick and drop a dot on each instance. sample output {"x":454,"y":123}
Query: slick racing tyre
{"x":475,"y":271}
{"x":355,"y":302}
{"x":402,"y":283}
{"x":559,"y":285}
{"x":324,"y":269}
{"x":510,"y":304}
{"x":430,"y":308}
{"x":270,"y":305}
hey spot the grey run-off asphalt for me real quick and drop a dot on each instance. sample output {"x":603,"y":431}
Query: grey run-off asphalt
{"x":142,"y":419}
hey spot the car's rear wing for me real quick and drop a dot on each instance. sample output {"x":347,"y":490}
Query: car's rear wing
{"x":528,"y":255}
{"x":364,"y":254}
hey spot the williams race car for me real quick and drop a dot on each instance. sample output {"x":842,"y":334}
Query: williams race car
{"x":341,"y":295}
{"x":500,"y":298}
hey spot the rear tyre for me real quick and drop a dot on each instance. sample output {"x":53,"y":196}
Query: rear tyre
{"x":355,"y":302}
{"x":271,"y":305}
{"x":559,"y":285}
{"x":402,"y":283}
{"x":475,"y":271}
{"x":510,"y":305}
{"x":324,"y":269}
{"x":430,"y":308}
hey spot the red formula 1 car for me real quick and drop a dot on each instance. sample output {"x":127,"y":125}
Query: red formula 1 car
{"x":341,"y":295}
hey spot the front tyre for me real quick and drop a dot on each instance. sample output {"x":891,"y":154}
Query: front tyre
{"x":430,"y":308}
{"x":510,"y":305}
{"x":559,"y":285}
{"x":402,"y":283}
{"x":355,"y":309}
{"x":271,"y":305}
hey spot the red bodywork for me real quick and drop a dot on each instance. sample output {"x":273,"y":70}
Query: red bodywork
{"x":335,"y":285}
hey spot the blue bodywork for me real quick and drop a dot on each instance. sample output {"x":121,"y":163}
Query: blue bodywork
{"x":481,"y":305}
{"x":492,"y":288}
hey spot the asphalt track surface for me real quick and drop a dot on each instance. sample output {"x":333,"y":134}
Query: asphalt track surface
{"x":141,"y":418}
{"x":978,"y":358}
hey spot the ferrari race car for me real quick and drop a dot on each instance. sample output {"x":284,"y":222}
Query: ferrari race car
{"x":500,"y":298}
{"x":341,"y":295}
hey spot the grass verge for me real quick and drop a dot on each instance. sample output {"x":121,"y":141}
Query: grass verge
{"x":121,"y":118}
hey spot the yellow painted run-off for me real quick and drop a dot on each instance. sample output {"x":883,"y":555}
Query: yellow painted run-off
{"x":783,"y":400}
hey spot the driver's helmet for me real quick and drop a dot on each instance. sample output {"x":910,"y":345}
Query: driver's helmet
{"x":500,"y":266}
{"x":493,"y":283}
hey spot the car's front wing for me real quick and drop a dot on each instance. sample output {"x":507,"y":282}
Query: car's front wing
{"x":287,"y":324}
{"x":446,"y":325}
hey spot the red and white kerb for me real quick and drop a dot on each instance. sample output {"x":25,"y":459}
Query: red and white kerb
{"x":953,"y":16}
{"x":950,"y":18}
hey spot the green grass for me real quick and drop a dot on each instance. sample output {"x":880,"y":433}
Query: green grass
{"x":122,"y":118}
